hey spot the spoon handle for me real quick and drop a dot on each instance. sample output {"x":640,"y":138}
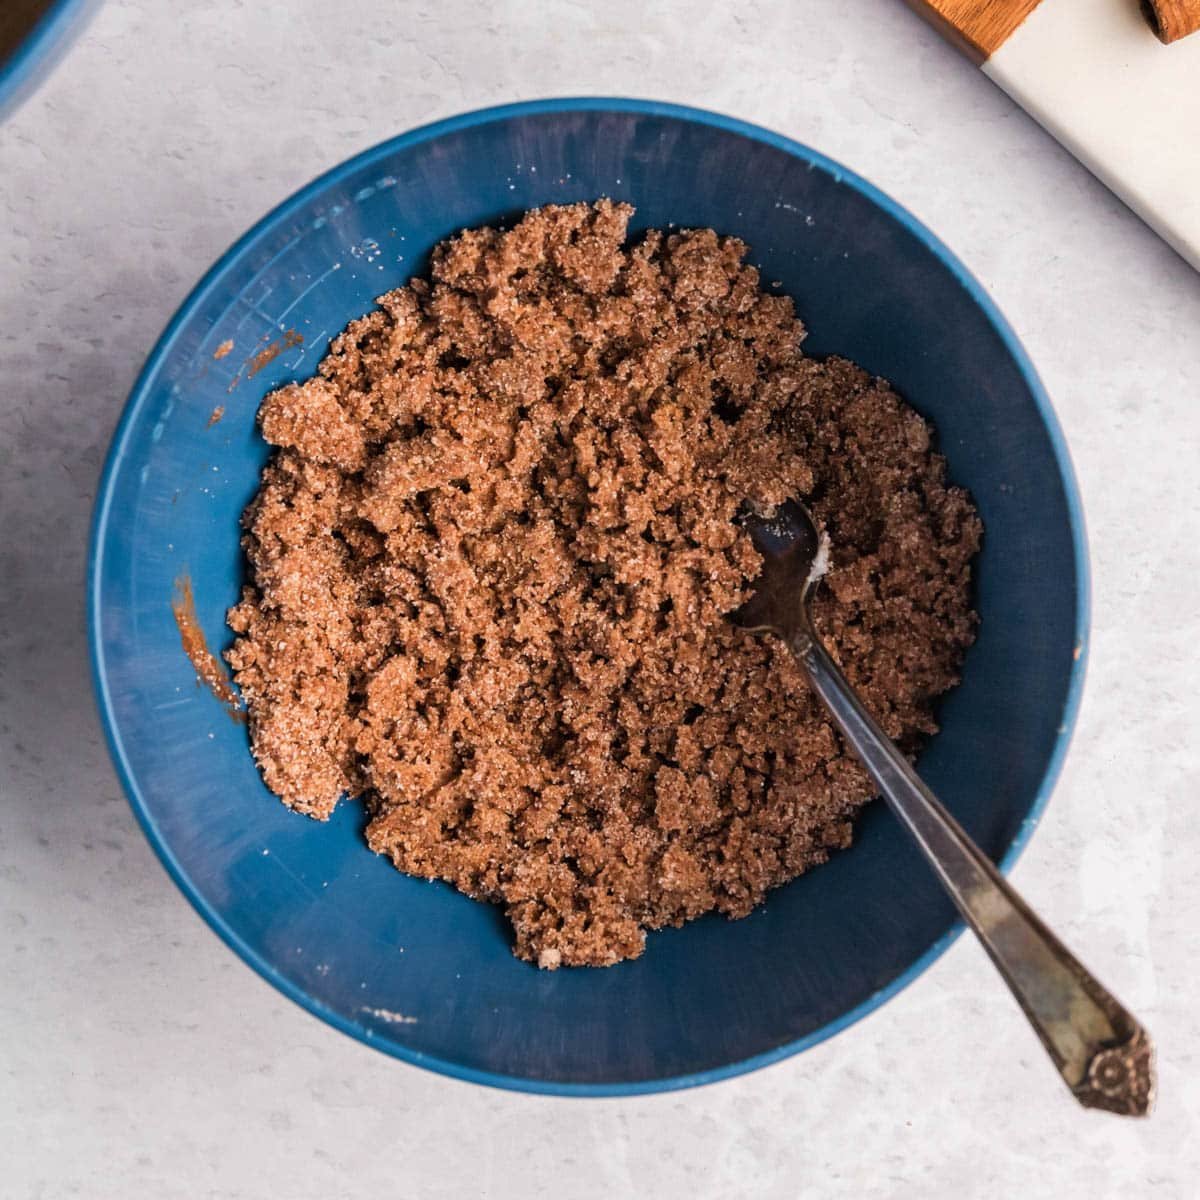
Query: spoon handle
{"x":1100,"y":1050}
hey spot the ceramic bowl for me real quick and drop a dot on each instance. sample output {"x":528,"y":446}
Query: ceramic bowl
{"x":413,"y":968}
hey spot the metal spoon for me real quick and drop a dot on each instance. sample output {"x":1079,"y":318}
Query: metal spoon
{"x":1102,"y":1053}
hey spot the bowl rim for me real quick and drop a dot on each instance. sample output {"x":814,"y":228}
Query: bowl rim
{"x":36,"y":55}
{"x":166,"y":342}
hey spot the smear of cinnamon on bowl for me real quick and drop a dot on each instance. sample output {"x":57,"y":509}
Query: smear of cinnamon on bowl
{"x":224,"y":348}
{"x":210,"y":671}
{"x":216,"y":414}
{"x":268,"y":354}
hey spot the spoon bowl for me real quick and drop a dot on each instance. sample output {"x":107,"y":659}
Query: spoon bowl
{"x":795,"y":557}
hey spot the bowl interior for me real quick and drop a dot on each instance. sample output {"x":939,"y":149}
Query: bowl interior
{"x":412,"y":966}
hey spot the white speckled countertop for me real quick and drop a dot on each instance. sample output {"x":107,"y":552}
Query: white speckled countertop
{"x":140,"y":1058}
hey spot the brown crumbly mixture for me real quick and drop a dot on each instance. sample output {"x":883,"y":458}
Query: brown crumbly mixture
{"x":17,"y":21}
{"x":494,"y":557}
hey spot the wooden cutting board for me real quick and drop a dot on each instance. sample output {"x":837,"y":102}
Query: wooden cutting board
{"x":1098,"y":76}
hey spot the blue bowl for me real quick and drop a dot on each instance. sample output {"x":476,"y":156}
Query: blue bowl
{"x":412,"y":967}
{"x":48,"y":38}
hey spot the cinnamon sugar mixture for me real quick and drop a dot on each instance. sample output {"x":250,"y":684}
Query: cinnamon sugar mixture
{"x":494,"y":556}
